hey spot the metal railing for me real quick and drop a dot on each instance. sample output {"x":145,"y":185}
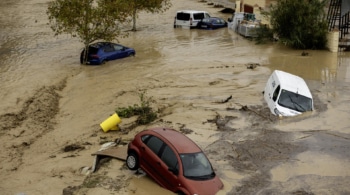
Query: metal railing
{"x":333,"y":14}
{"x":344,"y":24}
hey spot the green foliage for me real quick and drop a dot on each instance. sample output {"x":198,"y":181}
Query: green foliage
{"x":300,"y":24}
{"x":265,"y":34}
{"x":144,"y":110}
{"x":89,"y":20}
{"x":152,"y":6}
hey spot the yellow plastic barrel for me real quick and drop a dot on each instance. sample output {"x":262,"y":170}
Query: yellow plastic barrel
{"x":111,"y":123}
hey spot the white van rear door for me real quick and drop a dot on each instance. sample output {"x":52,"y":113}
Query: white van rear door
{"x":182,"y":19}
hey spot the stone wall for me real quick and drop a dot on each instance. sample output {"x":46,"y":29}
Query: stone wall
{"x":333,"y":41}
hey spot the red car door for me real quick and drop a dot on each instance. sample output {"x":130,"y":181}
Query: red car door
{"x":150,"y":160}
{"x":169,"y":164}
{"x":157,"y":159}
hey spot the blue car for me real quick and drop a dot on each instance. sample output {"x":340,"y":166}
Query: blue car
{"x":101,"y":52}
{"x":212,"y":23}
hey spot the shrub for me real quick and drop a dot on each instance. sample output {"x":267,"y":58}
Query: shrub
{"x":143,"y":110}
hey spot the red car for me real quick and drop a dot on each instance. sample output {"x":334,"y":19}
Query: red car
{"x":174,"y":161}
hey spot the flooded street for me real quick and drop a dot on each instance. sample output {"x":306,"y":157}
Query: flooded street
{"x":50,"y":101}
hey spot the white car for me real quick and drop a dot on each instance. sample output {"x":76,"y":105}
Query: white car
{"x":189,"y":18}
{"x":287,"y":94}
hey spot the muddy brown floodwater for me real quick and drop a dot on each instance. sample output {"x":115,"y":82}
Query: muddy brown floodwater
{"x":49,"y":102}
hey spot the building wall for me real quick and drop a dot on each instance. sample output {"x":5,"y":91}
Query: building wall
{"x":259,"y":3}
{"x":256,"y":6}
{"x":264,"y":4}
{"x":252,"y":6}
{"x":345,"y":7}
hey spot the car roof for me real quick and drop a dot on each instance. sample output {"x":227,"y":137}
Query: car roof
{"x":101,"y":44}
{"x":214,"y":18}
{"x":179,"y":141}
{"x":191,"y":11}
{"x":293,"y":83}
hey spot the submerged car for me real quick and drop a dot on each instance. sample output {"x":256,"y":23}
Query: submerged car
{"x":174,"y":161}
{"x":212,"y":23}
{"x":287,"y":94}
{"x":101,"y":52}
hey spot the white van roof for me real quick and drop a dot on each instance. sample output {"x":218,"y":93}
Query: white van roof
{"x":192,"y":11}
{"x":293,"y":83}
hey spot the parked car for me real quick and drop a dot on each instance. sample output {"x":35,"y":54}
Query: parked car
{"x":174,"y":161}
{"x":189,"y":18}
{"x":287,"y":94}
{"x":101,"y":52}
{"x":212,"y":23}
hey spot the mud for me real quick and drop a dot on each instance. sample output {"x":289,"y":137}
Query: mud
{"x":206,"y":84}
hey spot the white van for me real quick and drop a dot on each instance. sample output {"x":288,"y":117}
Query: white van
{"x":189,"y":18}
{"x":287,"y":94}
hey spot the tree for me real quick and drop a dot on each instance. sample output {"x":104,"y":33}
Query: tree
{"x":300,"y":24}
{"x":152,"y":6}
{"x":89,"y":20}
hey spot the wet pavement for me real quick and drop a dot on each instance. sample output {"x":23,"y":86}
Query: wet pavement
{"x":49,"y":101}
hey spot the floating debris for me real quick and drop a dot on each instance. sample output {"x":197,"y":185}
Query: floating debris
{"x":252,"y":65}
{"x":73,"y":147}
{"x":304,"y":53}
{"x":227,"y":99}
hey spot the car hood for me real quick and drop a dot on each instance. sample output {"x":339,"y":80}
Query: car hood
{"x":129,"y":49}
{"x":206,"y":187}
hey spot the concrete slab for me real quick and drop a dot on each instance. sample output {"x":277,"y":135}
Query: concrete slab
{"x":116,"y":152}
{"x":119,"y":153}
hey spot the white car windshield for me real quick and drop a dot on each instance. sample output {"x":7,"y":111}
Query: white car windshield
{"x":295,"y":101}
{"x":196,"y":166}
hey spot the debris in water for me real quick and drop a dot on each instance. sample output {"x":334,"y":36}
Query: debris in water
{"x":227,"y":99}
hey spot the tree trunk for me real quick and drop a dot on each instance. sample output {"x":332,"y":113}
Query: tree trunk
{"x":134,"y":20}
{"x":84,"y":55}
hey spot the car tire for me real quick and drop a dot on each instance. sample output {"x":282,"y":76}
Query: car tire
{"x":132,"y":161}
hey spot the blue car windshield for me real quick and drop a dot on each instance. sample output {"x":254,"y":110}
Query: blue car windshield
{"x":295,"y":101}
{"x":196,"y":166}
{"x":218,"y":21}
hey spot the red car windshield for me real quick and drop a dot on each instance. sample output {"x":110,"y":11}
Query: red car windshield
{"x":196,"y":166}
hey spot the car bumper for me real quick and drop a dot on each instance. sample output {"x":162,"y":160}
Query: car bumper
{"x":93,"y":62}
